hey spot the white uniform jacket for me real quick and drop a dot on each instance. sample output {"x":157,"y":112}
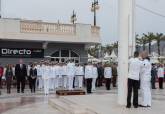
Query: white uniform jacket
{"x":146,"y":71}
{"x":46,"y":71}
{"x":107,"y":72}
{"x":64,"y":70}
{"x":71,"y":69}
{"x":79,"y":71}
{"x":88,"y":71}
{"x":60,"y":72}
{"x":135,"y":66}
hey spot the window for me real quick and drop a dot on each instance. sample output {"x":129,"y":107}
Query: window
{"x":64,"y":53}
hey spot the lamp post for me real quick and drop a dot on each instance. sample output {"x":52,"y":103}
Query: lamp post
{"x":73,"y":17}
{"x":94,"y":8}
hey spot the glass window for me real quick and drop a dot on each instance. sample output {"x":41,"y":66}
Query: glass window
{"x":64,"y":53}
{"x":73,"y":54}
{"x":56,"y":54}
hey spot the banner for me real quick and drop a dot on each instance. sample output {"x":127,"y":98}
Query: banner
{"x":21,"y":53}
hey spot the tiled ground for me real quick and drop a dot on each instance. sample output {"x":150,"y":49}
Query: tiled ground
{"x":101,"y":101}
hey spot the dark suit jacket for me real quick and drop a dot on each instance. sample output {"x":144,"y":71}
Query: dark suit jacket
{"x":33,"y":73}
{"x":20,"y":73}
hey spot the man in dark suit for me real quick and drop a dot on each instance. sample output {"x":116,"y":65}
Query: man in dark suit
{"x":100,"y":78}
{"x":20,"y":73}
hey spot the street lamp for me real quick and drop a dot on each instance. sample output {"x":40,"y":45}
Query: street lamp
{"x":73,"y":18}
{"x":94,"y":8}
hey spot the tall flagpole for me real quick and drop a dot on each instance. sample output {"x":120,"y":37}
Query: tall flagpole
{"x":125,"y":30}
{"x":0,"y":9}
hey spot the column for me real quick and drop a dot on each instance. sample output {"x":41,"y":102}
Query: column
{"x":124,"y":30}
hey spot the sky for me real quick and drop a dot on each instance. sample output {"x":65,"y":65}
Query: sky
{"x":54,"y":10}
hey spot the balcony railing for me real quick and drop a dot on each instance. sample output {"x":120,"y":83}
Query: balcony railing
{"x":47,"y":28}
{"x":39,"y":27}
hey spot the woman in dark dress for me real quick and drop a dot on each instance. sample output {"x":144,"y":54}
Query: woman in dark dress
{"x":32,"y":78}
{"x":9,"y":76}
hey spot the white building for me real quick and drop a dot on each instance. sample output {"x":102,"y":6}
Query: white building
{"x":33,"y":40}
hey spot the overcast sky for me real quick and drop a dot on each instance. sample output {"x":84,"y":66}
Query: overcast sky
{"x":53,"y":10}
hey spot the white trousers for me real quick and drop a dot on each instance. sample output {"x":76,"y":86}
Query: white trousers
{"x":52,"y":83}
{"x":56,"y":82}
{"x":46,"y":86}
{"x":76,"y":81}
{"x":93,"y":84}
{"x":146,"y":93}
{"x":80,"y":81}
{"x":40,"y":83}
{"x":60,"y":81}
{"x":70,"y":82}
{"x":64,"y":81}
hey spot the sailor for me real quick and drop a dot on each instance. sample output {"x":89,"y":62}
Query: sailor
{"x":64,"y":75}
{"x":70,"y":73}
{"x":79,"y":75}
{"x":94,"y":76}
{"x":39,"y":76}
{"x":51,"y":79}
{"x":46,"y":78}
{"x":108,"y":76}
{"x":56,"y":68}
{"x":145,"y":81}
{"x":88,"y":76}
{"x":60,"y":79}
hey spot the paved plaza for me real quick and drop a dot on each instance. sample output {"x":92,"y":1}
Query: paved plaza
{"x":100,"y":102}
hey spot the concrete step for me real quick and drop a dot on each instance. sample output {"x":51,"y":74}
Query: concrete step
{"x":68,"y":107}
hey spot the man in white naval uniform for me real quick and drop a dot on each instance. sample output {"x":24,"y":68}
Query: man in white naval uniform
{"x":94,"y":77}
{"x":79,"y":75}
{"x":46,"y":72}
{"x":56,"y":68}
{"x":88,"y":77}
{"x":51,"y":79}
{"x":60,"y":79}
{"x":145,"y":81}
{"x":64,"y":75}
{"x":39,"y":76}
{"x":70,"y":74}
{"x":108,"y":76}
{"x":133,"y":80}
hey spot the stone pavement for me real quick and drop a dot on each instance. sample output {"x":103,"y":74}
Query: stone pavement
{"x":100,"y":102}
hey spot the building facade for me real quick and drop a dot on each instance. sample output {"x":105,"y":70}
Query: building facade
{"x":36,"y":40}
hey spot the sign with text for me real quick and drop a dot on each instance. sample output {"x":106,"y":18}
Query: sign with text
{"x":21,"y":53}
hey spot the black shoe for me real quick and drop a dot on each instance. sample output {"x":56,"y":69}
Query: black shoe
{"x":128,"y":106}
{"x":22,"y":91}
{"x":135,"y":106}
{"x":18,"y":91}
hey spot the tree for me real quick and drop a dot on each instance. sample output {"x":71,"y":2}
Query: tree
{"x":158,"y":38}
{"x":149,"y":38}
{"x":141,"y":41}
{"x":108,"y":49}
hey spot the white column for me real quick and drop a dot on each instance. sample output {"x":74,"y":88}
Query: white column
{"x":123,"y":50}
{"x":132,"y":34}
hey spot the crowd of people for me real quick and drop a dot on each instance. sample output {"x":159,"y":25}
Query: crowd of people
{"x":48,"y":75}
{"x":142,"y":75}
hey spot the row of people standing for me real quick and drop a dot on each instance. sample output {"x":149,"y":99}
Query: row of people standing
{"x":50,"y":75}
{"x":67,"y":76}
